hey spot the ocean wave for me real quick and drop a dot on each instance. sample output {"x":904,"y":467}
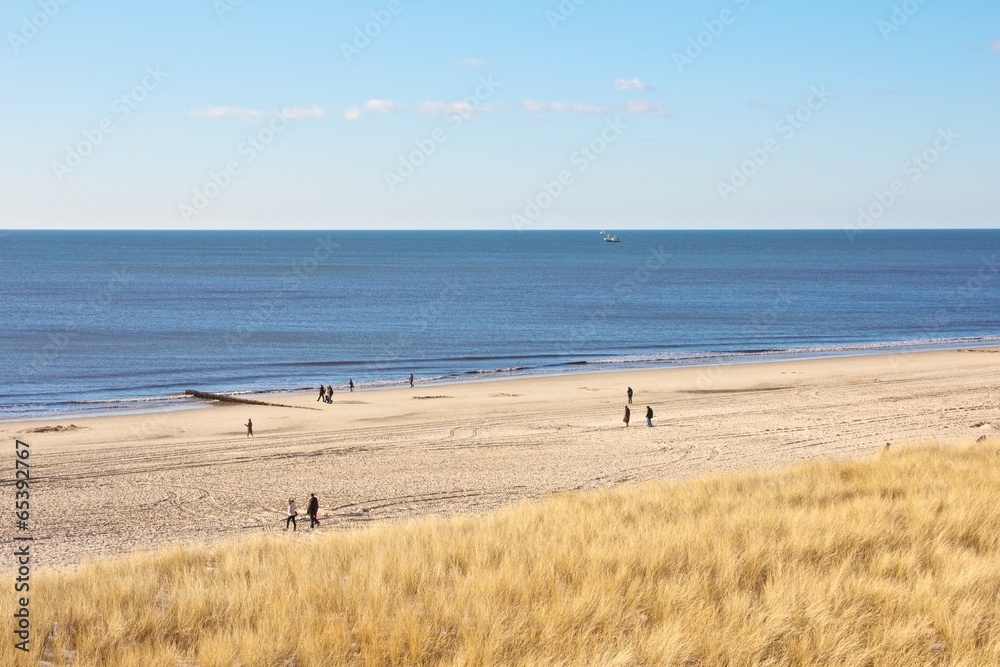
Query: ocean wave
{"x":495,"y":371}
{"x":388,"y":383}
{"x":667,"y":357}
{"x":272,"y":390}
{"x":405,"y":362}
{"x":133,"y":399}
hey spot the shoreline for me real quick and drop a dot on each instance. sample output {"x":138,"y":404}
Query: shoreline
{"x":178,"y":402}
{"x":111,"y":485}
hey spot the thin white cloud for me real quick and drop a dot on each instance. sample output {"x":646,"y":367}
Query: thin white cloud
{"x":633,"y":84}
{"x":645,"y":108}
{"x":226,"y":112}
{"x":254,"y":115}
{"x":292,"y":113}
{"x":382,"y":106}
{"x":466,"y":109}
{"x":470,"y":62}
{"x":561,"y":107}
{"x":995,"y":46}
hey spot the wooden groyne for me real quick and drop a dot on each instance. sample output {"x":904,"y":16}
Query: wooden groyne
{"x":224,"y":398}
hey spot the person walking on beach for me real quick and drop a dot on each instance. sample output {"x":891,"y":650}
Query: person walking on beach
{"x":411,"y":380}
{"x":329,"y":393}
{"x":350,"y":383}
{"x":249,"y":426}
{"x":313,"y":510}
{"x":628,"y":415}
{"x":649,"y":416}
{"x":322,"y":393}
{"x":292,"y":512}
{"x":629,"y":392}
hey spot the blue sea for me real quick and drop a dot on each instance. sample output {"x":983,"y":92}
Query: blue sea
{"x":97,"y":322}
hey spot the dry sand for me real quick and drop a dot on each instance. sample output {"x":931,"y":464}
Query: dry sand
{"x":139,"y":481}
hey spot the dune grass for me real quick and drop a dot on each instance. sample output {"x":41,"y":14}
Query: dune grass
{"x":890,"y":561}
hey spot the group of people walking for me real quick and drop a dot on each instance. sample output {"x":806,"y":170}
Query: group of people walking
{"x":326,"y":393}
{"x":293,"y":512}
{"x":628,"y":411}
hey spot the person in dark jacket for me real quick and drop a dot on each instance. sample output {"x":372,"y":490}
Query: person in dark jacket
{"x":322,"y":393}
{"x":649,"y":416}
{"x":249,"y":426}
{"x":629,"y":392}
{"x":313,"y":510}
{"x":350,"y":384}
{"x":628,"y":415}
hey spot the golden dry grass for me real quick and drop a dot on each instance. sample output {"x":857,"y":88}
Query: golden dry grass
{"x":892,"y":561}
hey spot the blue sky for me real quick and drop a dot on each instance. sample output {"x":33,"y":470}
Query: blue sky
{"x":208,"y":114}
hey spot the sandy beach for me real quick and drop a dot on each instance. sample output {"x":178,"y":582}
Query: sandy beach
{"x":106,"y":485}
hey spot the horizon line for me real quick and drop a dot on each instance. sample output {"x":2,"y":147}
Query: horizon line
{"x":496,"y":229}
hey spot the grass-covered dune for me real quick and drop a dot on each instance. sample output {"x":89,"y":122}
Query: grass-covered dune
{"x":890,"y":561}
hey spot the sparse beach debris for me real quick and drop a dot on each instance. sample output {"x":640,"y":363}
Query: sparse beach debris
{"x":54,"y":429}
